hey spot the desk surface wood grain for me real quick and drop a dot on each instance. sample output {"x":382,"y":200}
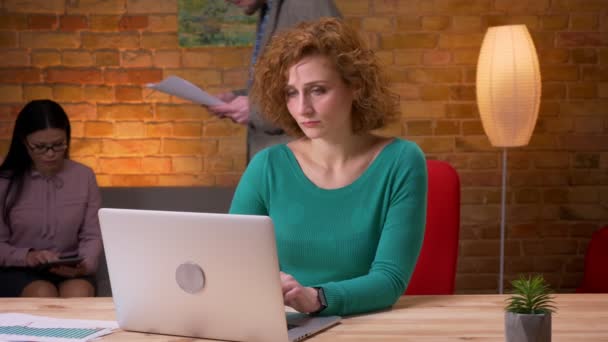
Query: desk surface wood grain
{"x":580,"y":317}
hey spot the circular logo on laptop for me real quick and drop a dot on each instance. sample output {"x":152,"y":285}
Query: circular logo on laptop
{"x":190,"y":277}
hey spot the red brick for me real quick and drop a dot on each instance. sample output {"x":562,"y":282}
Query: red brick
{"x":434,"y":23}
{"x":553,"y":91}
{"x":134,"y":180}
{"x":162,"y":23}
{"x":187,"y":129}
{"x":73,"y":22}
{"x":179,"y":112}
{"x":559,"y":73}
{"x":131,"y":146}
{"x":120,"y":165}
{"x":77,"y":58}
{"x":8,"y":39}
{"x":11,"y":94}
{"x":98,"y":129}
{"x":42,"y":22}
{"x":73,"y":75}
{"x":459,"y":7}
{"x":227,"y":179}
{"x":49,"y":40}
{"x":460,"y":40}
{"x":143,"y":76}
{"x":128,"y":93}
{"x":159,"y":41}
{"x":408,"y":41}
{"x":586,"y":160}
{"x":136,"y":58}
{"x":99,"y":93}
{"x":472,"y":128}
{"x":143,"y":6}
{"x":554,"y":22}
{"x":435,"y":75}
{"x":123,"y":40}
{"x":96,"y":6}
{"x":353,"y":7}
{"x":13,"y":21}
{"x":445,"y":127}
{"x":34,"y":6}
{"x":85,"y":147}
{"x":33,"y":92}
{"x":19,"y":58}
{"x":104,"y":22}
{"x":588,"y":107}
{"x":68,"y":93}
{"x":133,"y":22}
{"x":115,"y":76}
{"x":461,"y":110}
{"x":167,"y":59}
{"x":20,"y":75}
{"x":187,"y":164}
{"x":156,"y":129}
{"x":554,"y":56}
{"x":377,"y":24}
{"x":467,"y":23}
{"x":595,"y":73}
{"x":480,"y":196}
{"x":125,"y":111}
{"x":156,"y":165}
{"x":580,"y":39}
{"x":473,"y":144}
{"x":107,"y":58}
{"x":434,"y":93}
{"x":435,"y":144}
{"x":584,"y":21}
{"x":129,"y":129}
{"x":437,"y":57}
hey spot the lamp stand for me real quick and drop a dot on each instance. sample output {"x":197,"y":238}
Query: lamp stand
{"x":502,"y":220}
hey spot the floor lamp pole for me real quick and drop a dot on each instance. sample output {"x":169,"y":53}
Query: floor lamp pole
{"x":502,"y":220}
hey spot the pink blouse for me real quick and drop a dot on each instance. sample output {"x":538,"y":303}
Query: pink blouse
{"x":57,"y":213}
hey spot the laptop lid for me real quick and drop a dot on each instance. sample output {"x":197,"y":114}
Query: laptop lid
{"x":198,"y":275}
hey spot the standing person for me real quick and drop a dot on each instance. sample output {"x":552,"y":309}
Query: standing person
{"x":348,"y":206}
{"x":274,"y":16}
{"x":48,"y":208}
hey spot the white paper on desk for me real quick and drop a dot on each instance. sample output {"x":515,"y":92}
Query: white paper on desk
{"x":13,"y":321}
{"x":179,"y":87}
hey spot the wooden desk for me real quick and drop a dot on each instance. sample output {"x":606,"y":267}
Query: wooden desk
{"x":416,"y":318}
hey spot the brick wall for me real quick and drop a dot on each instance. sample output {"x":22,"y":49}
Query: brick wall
{"x":94,"y":55}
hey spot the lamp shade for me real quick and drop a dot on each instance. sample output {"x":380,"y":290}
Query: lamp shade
{"x":508,"y":85}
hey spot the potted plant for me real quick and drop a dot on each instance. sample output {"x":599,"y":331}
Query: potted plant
{"x":528,"y":311}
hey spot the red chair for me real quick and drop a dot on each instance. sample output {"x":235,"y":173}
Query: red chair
{"x":435,"y":272}
{"x":595,"y":279}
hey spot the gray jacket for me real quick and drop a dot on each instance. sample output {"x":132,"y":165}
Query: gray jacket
{"x":283,"y":14}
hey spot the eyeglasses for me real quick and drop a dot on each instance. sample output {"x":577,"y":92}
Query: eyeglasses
{"x":43,"y":148}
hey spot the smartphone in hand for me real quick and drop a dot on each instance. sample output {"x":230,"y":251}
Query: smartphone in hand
{"x":65,"y":261}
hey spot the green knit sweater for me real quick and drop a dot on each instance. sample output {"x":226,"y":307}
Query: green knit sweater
{"x":359,"y":242}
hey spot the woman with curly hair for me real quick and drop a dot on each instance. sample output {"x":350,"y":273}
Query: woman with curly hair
{"x":348,"y":205}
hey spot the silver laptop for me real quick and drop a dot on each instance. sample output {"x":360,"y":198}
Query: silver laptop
{"x":199,"y":275}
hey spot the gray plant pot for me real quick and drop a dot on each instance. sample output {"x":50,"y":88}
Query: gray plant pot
{"x":527,"y":328}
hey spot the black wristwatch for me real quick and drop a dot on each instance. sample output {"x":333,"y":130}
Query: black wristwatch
{"x":322,"y":300}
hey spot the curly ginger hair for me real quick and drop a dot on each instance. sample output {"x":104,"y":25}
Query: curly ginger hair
{"x":374,"y":105}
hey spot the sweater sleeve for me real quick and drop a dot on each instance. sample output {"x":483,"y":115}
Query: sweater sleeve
{"x":250,"y":195}
{"x":398,"y":248}
{"x":89,"y":235}
{"x":9,"y":254}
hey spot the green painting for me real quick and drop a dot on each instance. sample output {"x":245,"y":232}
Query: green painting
{"x":214,"y":23}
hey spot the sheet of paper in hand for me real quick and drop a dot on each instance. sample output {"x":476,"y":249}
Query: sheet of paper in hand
{"x":179,"y":87}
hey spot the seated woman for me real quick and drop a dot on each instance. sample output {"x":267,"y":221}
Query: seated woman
{"x":348,"y":206}
{"x":48,"y":208}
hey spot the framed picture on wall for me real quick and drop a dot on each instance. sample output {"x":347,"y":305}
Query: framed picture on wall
{"x":214,"y":23}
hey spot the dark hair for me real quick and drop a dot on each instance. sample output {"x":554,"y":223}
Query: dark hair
{"x":35,"y":116}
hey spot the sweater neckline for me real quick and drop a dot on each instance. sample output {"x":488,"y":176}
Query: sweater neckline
{"x":362,"y":179}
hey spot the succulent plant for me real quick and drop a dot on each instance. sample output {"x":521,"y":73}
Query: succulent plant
{"x":531,"y":295}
